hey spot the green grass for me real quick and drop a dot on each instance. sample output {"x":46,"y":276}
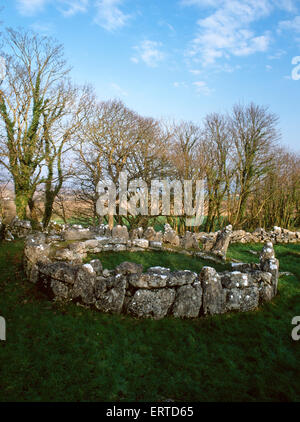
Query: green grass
{"x":174,"y":261}
{"x":288,"y":255}
{"x":67,"y":353}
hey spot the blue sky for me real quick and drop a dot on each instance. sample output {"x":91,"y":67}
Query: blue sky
{"x":178,"y":59}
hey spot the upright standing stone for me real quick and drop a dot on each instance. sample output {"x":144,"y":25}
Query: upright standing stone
{"x":149,"y":233}
{"x":222,"y":242}
{"x":170,"y":236}
{"x":189,"y":241}
{"x":83,"y":287}
{"x":270,"y":264}
{"x":214,"y":297}
{"x":120,"y":232}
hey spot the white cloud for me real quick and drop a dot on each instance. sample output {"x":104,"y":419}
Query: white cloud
{"x":287,"y":5}
{"x":71,"y":7}
{"x":252,"y":45}
{"x":227,"y":28}
{"x":44,"y":28}
{"x":109,"y":15}
{"x":180,"y":84}
{"x":290,"y":25}
{"x":66,"y":7}
{"x":195,"y":71}
{"x":202,"y":3}
{"x":225,"y":67}
{"x":227,"y":31}
{"x":118,"y":90}
{"x":30,"y":7}
{"x":277,"y":55}
{"x":149,"y":52}
{"x":165,"y":24}
{"x":202,"y":88}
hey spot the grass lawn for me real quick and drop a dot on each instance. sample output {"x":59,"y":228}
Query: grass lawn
{"x":171,"y":260}
{"x":58,"y":352}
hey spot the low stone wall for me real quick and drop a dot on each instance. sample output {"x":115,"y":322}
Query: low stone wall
{"x":215,"y":242}
{"x":156,"y":293}
{"x":277,"y":235}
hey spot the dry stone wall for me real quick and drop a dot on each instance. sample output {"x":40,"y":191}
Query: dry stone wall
{"x":213,"y":241}
{"x":260,"y":235}
{"x":54,"y":263}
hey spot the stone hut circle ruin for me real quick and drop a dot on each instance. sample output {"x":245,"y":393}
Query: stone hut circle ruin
{"x":54,"y":261}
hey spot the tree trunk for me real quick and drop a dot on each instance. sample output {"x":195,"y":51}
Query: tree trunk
{"x":22,"y":198}
{"x":110,"y":221}
{"x":48,"y":209}
{"x":33,"y":210}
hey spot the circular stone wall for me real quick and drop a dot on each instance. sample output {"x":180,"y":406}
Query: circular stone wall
{"x":56,"y":267}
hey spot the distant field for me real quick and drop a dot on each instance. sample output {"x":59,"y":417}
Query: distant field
{"x":58,"y":352}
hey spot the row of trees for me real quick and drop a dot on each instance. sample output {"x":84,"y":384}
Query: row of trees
{"x":57,"y":141}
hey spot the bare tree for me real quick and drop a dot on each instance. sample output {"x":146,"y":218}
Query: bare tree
{"x":116,"y":139}
{"x":60,"y":134}
{"x":89,"y":173}
{"x":186,"y":140}
{"x":254,"y":132}
{"x":35,"y":69}
{"x":216,"y":150}
{"x":275,"y":200}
